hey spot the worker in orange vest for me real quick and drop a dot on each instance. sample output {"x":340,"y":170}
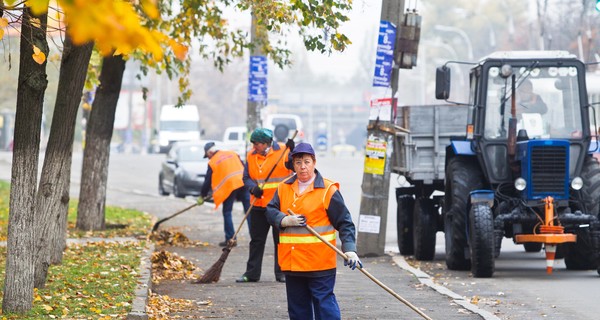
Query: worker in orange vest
{"x":265,"y":156}
{"x":224,"y":178}
{"x":308,"y":263}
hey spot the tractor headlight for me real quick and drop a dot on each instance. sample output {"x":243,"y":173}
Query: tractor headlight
{"x":577,"y":183}
{"x":520,"y":184}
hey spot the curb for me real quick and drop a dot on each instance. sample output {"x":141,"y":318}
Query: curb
{"x":142,"y":290}
{"x":425,"y":279}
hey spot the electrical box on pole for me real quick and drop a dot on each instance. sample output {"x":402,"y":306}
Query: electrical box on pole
{"x":372,"y":221}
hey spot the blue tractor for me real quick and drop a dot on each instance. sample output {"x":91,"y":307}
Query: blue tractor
{"x":524,"y":169}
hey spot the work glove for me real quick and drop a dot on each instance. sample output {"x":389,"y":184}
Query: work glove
{"x":257,"y":191}
{"x":352,"y":260}
{"x":200,"y":201}
{"x":290,"y":144}
{"x":293,"y":221}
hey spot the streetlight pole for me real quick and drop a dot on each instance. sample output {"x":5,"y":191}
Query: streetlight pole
{"x":461,"y":33}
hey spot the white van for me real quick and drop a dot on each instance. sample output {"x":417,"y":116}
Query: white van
{"x":177,"y":124}
{"x":234,"y":138}
{"x":284,"y":125}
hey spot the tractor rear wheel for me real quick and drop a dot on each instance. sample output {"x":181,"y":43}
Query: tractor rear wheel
{"x":463,"y":175}
{"x":404,"y":223}
{"x":425,"y":227}
{"x":581,"y":255}
{"x":481,"y":231}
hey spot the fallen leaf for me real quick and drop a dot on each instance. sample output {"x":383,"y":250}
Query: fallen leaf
{"x":38,"y":56}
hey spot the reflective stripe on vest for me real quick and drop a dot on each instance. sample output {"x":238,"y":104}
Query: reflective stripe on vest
{"x":217,"y":187}
{"x":305,"y":239}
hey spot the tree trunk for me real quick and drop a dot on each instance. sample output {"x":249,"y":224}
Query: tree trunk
{"x":18,"y":285}
{"x":94,"y":171}
{"x":53,"y":194}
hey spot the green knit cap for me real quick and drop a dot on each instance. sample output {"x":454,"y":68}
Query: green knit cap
{"x":261,"y":135}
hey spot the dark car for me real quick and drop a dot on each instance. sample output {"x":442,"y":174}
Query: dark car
{"x":182,"y":173}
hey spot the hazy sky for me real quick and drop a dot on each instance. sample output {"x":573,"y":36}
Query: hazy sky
{"x":363,"y":25}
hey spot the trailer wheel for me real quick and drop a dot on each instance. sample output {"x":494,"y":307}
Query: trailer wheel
{"x":462,"y":176}
{"x":404,"y":224}
{"x":581,"y":255}
{"x":532,"y":246}
{"x":425,"y":228}
{"x":481,"y":231}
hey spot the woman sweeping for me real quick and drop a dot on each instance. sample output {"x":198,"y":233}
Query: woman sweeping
{"x":308,"y":264}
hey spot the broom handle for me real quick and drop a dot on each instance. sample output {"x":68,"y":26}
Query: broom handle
{"x":255,"y":199}
{"x":365,"y":272}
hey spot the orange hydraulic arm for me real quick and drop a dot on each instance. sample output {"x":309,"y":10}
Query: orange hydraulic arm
{"x":550,"y":235}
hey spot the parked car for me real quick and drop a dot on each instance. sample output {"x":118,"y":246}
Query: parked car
{"x":341,"y":150}
{"x":182,"y":172}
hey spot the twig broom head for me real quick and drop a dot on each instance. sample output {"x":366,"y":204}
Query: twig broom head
{"x":214,"y":272}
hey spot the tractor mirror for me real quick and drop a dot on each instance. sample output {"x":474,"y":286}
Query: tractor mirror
{"x":442,"y":83}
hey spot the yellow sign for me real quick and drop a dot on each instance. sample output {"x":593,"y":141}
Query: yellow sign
{"x":375,"y":156}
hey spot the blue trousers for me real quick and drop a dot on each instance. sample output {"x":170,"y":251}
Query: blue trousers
{"x":237,"y":194}
{"x":322,"y":304}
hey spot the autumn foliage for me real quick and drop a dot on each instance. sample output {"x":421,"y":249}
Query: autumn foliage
{"x":114,"y":26}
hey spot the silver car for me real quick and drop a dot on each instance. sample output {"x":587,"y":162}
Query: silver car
{"x":182,"y":172}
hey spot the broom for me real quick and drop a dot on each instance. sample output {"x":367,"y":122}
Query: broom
{"x":155,"y":226}
{"x":365,"y":272}
{"x":214,"y":272}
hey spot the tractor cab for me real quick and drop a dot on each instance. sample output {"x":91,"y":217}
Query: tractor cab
{"x":530,"y":105}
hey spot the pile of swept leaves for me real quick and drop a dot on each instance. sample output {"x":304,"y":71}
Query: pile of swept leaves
{"x":170,"y":266}
{"x":163,"y":307}
{"x":174,"y":238}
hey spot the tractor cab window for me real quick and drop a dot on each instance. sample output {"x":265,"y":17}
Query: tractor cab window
{"x":546,"y":103}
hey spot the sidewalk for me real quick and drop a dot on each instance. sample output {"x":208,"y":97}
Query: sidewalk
{"x":359,"y":297}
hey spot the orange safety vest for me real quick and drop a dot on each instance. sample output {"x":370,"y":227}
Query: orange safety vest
{"x":227,"y":174}
{"x":298,"y":249}
{"x":259,"y":167}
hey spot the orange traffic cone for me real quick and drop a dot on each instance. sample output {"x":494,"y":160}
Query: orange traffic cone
{"x":550,"y":252}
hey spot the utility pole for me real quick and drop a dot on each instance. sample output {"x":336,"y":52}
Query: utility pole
{"x":372,"y":220}
{"x":257,"y":77}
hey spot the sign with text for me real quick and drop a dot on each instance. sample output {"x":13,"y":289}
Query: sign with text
{"x":375,"y":155}
{"x":257,"y":79}
{"x":385,"y":54}
{"x":369,"y":223}
{"x":383,"y":109}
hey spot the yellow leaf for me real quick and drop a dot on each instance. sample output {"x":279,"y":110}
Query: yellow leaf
{"x":38,"y":56}
{"x":1,"y":34}
{"x":38,"y":6}
{"x":179,"y":50}
{"x":150,"y":8}
{"x":47,"y":307}
{"x":3,"y":22}
{"x":36,"y":23}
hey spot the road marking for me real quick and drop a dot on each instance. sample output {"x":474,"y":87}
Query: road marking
{"x":425,"y":279}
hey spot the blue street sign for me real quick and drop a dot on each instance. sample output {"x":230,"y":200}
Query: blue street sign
{"x":385,"y":54}
{"x":257,"y":79}
{"x":322,"y":142}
